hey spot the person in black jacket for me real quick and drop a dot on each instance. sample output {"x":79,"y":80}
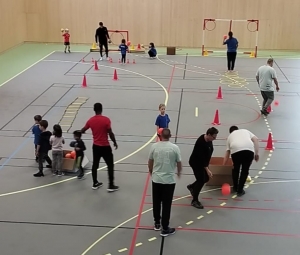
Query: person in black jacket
{"x":102,"y":37}
{"x":79,"y":146}
{"x":199,"y":162}
{"x":43,"y":147}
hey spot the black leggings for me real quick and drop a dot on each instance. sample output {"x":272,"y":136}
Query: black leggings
{"x":103,"y":43}
{"x":241,"y":159}
{"x":231,"y":56}
{"x":201,"y":178}
{"x":104,"y":152}
{"x":79,"y":159}
{"x":123,"y":58}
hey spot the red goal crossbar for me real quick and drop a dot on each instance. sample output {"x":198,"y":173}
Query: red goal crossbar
{"x":230,"y":21}
{"x":123,"y":33}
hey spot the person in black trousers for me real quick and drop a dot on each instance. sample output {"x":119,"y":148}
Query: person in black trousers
{"x":243,"y":147}
{"x":79,"y":147}
{"x":232,"y":45}
{"x":43,"y":148}
{"x":102,"y":37}
{"x":101,"y":129}
{"x":199,"y":162}
{"x":164,"y":158}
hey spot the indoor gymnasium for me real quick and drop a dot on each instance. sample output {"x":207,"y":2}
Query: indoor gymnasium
{"x":225,"y":65}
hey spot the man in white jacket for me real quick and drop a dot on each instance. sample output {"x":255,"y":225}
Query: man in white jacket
{"x":243,"y":147}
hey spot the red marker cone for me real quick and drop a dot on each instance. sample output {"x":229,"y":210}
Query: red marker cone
{"x":82,"y":60}
{"x":84,"y":85}
{"x":216,"y":119}
{"x":139,"y":46}
{"x":96,"y":66}
{"x":269,"y":109}
{"x":110,"y":60}
{"x":119,"y":60}
{"x":133,"y":62}
{"x":93,"y":60}
{"x":128,"y":61}
{"x":269,"y":143}
{"x":219,"y":96}
{"x":115,"y":75}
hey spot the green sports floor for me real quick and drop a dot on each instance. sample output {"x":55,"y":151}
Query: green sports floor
{"x":17,"y":59}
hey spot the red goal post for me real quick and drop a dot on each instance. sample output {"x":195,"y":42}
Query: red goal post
{"x":230,"y":23}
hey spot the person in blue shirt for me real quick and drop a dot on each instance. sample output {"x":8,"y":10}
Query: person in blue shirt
{"x":36,"y":132}
{"x":232,"y":45}
{"x":123,"y":48}
{"x":152,"y":51}
{"x":162,"y":120}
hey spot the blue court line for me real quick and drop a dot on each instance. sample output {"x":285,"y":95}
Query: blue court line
{"x":52,"y":110}
{"x":64,"y":97}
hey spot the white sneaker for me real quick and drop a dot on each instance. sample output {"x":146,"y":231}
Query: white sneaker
{"x":101,"y":59}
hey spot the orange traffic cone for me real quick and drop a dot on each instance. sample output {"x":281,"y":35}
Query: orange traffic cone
{"x":269,"y":143}
{"x":216,"y":119}
{"x":96,"y":66}
{"x":133,"y":61}
{"x":84,"y":85}
{"x":219,"y":96}
{"x":115,"y":75}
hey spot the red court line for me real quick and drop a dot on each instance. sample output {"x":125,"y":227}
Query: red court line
{"x":239,"y":199}
{"x":133,"y":240}
{"x":240,"y":208}
{"x":224,"y":231}
{"x":137,"y":224}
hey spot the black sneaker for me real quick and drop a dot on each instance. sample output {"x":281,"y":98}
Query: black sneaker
{"x":69,"y":51}
{"x":81,"y":177}
{"x":189,"y":187}
{"x":112,"y":188}
{"x":39,"y":174}
{"x":197,"y":205}
{"x":157,"y":227}
{"x":264,"y":112}
{"x":167,"y":232}
{"x":242,"y":193}
{"x":97,"y":185}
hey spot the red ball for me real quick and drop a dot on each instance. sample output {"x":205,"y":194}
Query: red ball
{"x":226,"y":189}
{"x":159,"y":131}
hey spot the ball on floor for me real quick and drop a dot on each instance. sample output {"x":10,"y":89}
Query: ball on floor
{"x":276,"y":103}
{"x":226,"y":189}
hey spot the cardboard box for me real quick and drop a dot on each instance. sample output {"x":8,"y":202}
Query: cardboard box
{"x":69,"y":164}
{"x":221,"y":174}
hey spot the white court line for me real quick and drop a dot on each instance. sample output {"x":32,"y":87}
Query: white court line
{"x":26,"y":69}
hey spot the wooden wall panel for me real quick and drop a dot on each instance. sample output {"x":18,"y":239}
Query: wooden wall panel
{"x":166,"y":22}
{"x":12,"y":23}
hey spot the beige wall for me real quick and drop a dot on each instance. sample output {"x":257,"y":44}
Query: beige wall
{"x":165,"y":22}
{"x":12,"y":23}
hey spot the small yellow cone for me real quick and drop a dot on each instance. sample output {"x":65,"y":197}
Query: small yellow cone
{"x":252,"y":55}
{"x":132,"y":47}
{"x":94,"y":46}
{"x":205,"y":53}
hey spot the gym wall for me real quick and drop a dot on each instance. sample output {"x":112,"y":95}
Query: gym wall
{"x":165,"y":22}
{"x":12,"y":23}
